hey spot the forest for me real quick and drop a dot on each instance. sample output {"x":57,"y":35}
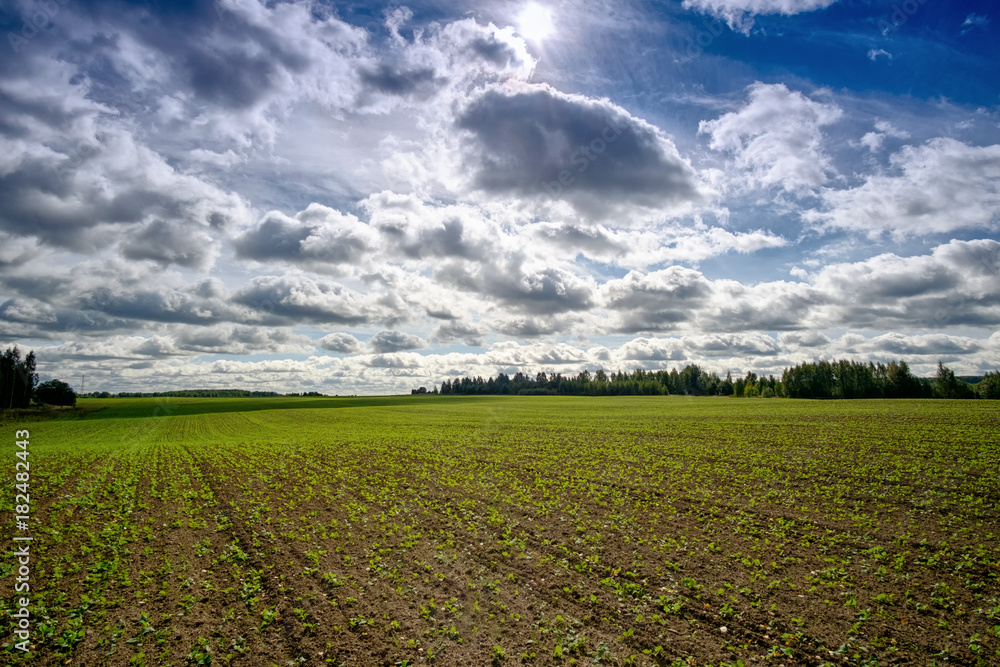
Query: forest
{"x":821,"y":379}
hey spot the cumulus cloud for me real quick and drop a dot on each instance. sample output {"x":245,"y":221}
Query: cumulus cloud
{"x":803,"y":339}
{"x":466,"y":332}
{"x":340,"y":342}
{"x":169,"y":244}
{"x":941,"y":186}
{"x":740,"y":13}
{"x":897,"y":344}
{"x":776,"y":139}
{"x":319,"y":236}
{"x":537,"y":291}
{"x":530,"y":327}
{"x":874,"y":140}
{"x":533,"y":141}
{"x":957,"y":284}
{"x":237,"y":339}
{"x":634,"y":248}
{"x":653,"y":350}
{"x":395,"y":341}
{"x":412,"y":229}
{"x":733,"y":345}
{"x":302,"y":299}
{"x":658,"y":301}
{"x":83,"y":179}
{"x":452,"y":201}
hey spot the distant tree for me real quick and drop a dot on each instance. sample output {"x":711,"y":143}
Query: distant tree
{"x":946,"y":385}
{"x":55,"y":392}
{"x":17,"y":379}
{"x":989,"y":386}
{"x":900,"y":382}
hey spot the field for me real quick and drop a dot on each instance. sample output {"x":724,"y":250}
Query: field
{"x":510,"y":530}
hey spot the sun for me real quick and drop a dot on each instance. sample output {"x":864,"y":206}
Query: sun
{"x":535,"y":22}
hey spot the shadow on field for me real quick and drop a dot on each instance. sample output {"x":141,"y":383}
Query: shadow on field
{"x":141,"y":408}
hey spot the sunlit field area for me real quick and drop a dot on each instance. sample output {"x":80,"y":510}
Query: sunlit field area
{"x":510,"y":530}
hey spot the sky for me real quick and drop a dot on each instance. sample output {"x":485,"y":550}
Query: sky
{"x":365,"y":198}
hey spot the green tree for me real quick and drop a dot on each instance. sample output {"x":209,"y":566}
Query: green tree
{"x":989,"y":386}
{"x":946,"y":385}
{"x":55,"y":392}
{"x":17,"y":379}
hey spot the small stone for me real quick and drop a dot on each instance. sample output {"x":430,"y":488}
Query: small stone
{"x":723,"y":629}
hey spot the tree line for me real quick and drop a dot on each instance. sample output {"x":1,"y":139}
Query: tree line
{"x":822,"y":379}
{"x":19,"y":383}
{"x":194,"y":393}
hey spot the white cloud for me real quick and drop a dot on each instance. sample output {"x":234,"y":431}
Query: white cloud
{"x":873,"y":140}
{"x":94,"y":180}
{"x":973,"y":20}
{"x":941,"y":186}
{"x":271,"y":180}
{"x":339,"y":342}
{"x":740,"y":13}
{"x":394,"y":341}
{"x":319,"y":237}
{"x":776,"y":139}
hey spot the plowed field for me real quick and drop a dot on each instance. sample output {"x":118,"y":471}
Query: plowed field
{"x":509,"y":530}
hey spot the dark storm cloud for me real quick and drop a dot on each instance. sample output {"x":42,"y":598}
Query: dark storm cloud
{"x":591,"y":154}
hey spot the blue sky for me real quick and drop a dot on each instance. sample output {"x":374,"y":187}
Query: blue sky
{"x":365,"y":198}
